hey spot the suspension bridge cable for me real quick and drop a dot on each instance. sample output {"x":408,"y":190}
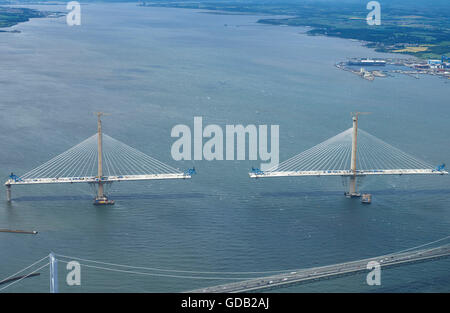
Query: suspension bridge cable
{"x":222,"y":272}
{"x":164,"y":270}
{"x":426,"y":244}
{"x":15,"y":274}
{"x":162,"y":275}
{"x":14,"y":282}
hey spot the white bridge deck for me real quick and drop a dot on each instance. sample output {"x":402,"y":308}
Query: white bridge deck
{"x":95,"y":179}
{"x":348,"y":173}
{"x":98,"y":160}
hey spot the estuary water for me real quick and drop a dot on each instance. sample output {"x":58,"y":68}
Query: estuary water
{"x":154,"y":68}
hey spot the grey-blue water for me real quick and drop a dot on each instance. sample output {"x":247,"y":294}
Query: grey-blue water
{"x":153,"y":68}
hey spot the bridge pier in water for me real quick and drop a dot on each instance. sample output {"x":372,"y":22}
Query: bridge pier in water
{"x":352,"y":188}
{"x":8,"y":193}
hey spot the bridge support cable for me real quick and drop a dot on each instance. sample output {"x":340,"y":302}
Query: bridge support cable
{"x":351,"y":153}
{"x":99,"y":160}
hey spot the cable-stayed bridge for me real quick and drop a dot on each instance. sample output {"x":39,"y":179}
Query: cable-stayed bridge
{"x":79,"y":165}
{"x":351,"y":153}
{"x":98,"y":160}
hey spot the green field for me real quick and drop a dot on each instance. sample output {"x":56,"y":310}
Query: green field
{"x":420,"y":31}
{"x":12,"y":16}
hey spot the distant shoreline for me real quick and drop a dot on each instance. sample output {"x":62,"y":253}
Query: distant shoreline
{"x":12,"y":16}
{"x":402,"y":31}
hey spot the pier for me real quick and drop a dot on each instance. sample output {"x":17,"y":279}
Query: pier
{"x":32,"y":232}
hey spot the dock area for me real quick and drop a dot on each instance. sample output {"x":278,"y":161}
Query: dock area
{"x":369,"y":69}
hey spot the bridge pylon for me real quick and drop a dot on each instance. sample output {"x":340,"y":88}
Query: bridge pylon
{"x":353,"y":192}
{"x":101,"y":198}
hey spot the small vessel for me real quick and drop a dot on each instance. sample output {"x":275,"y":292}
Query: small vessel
{"x":352,"y":194}
{"x":367,"y":62}
{"x":366,"y":198}
{"x":103,"y":201}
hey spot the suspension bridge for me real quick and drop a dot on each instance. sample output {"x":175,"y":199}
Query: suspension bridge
{"x":99,"y":160}
{"x":353,"y":153}
{"x":241,"y":281}
{"x":329,"y":271}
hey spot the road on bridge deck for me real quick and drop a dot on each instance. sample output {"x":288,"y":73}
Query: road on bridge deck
{"x":335,"y":270}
